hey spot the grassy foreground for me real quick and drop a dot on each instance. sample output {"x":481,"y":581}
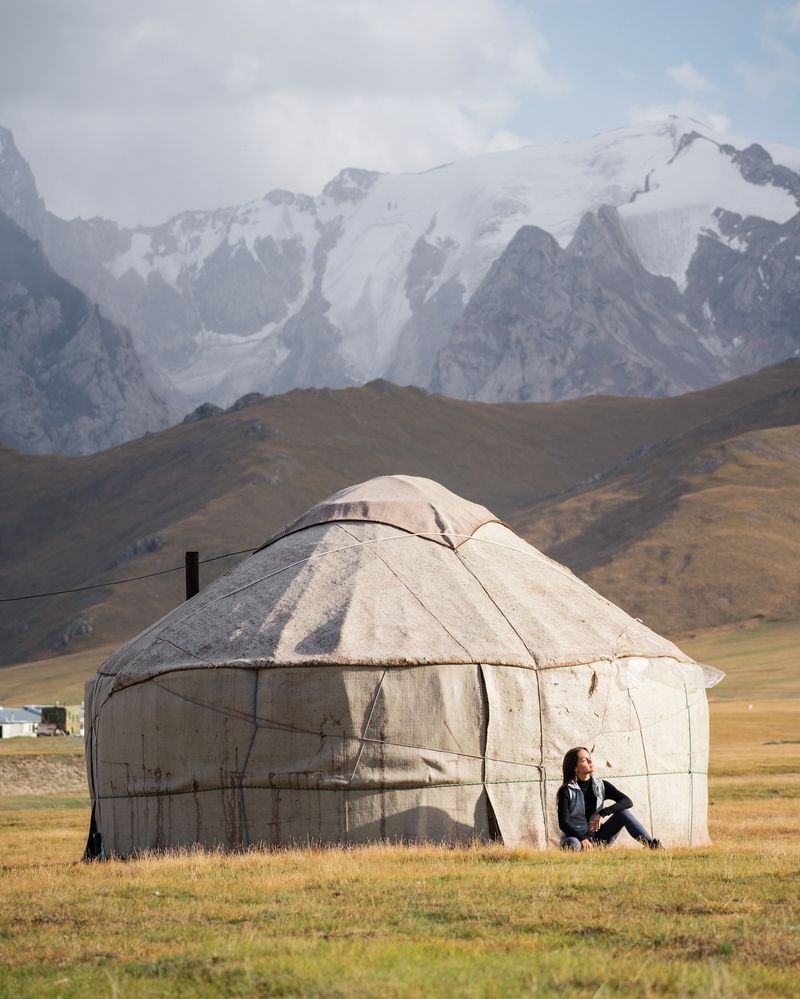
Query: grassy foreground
{"x":721,"y":921}
{"x":388,"y":921}
{"x":384,"y":921}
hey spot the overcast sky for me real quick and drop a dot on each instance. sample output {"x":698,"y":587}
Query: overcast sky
{"x":138,"y":110}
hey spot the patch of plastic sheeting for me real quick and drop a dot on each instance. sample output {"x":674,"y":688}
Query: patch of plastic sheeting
{"x":639,"y":671}
{"x":711,"y":675}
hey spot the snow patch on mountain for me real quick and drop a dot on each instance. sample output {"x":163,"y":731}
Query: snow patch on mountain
{"x":471,"y":210}
{"x":224,"y":363}
{"x":664,"y":223}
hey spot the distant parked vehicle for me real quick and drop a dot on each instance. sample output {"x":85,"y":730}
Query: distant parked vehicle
{"x":48,"y":729}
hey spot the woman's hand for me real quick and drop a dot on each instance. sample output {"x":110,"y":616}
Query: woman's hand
{"x":587,"y":844}
{"x":594,"y":823}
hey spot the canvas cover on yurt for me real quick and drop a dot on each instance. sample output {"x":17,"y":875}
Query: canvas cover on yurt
{"x":396,"y":664}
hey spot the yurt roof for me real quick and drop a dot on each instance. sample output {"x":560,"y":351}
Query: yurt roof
{"x":396,"y":571}
{"x":410,"y":503}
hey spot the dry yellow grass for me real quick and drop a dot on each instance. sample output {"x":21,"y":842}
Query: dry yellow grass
{"x":70,"y":745}
{"x":404,"y":921}
{"x":759,"y":737}
{"x":721,"y":921}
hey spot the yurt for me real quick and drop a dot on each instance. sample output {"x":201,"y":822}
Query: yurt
{"x":395,"y":665}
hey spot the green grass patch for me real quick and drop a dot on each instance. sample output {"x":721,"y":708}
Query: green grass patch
{"x":783,"y":787}
{"x":407,"y":921}
{"x":760,"y":660}
{"x":24,"y":803}
{"x":62,"y":745}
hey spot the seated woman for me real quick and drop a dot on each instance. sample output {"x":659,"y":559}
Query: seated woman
{"x":582,"y":808}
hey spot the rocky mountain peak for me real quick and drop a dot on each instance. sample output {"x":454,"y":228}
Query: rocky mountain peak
{"x":303,"y":202}
{"x":351,"y":184}
{"x":546,"y":322}
{"x":19,"y":197}
{"x":531,"y":249}
{"x":600,"y":238}
{"x":755,"y":164}
{"x":70,"y":379}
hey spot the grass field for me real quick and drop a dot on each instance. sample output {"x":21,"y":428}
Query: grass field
{"x":761,"y":659}
{"x":721,"y":921}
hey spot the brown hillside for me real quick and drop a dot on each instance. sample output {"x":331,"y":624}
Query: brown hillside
{"x":228,"y":482}
{"x":700,"y":532}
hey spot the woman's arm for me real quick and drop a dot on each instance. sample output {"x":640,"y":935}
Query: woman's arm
{"x":621,"y":801}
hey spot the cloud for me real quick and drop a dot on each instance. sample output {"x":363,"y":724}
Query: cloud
{"x":786,"y":18}
{"x":504,"y":141}
{"x":780,"y":66}
{"x":137,"y":111}
{"x":688,"y":78}
{"x":684,"y":109}
{"x":780,"y":69}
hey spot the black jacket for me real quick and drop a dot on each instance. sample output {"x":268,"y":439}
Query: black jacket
{"x":579,"y":801}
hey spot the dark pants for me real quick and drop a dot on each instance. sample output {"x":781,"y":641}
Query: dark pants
{"x":609,"y":831}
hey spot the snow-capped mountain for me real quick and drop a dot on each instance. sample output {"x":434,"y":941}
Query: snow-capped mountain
{"x":655,"y":258}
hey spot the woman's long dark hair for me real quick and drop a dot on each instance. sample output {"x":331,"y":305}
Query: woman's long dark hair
{"x":571,"y":762}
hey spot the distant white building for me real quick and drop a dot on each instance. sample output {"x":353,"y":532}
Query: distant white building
{"x":18,"y":721}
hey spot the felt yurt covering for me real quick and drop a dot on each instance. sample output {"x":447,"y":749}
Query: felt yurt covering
{"x":395,"y":665}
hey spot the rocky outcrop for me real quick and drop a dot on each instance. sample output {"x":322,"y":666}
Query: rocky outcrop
{"x":549,"y":324}
{"x":757,"y":167}
{"x":350,"y":184}
{"x":19,"y":198}
{"x":70,"y":379}
{"x":203,"y":412}
{"x":435,"y":311}
{"x":743,"y":291}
